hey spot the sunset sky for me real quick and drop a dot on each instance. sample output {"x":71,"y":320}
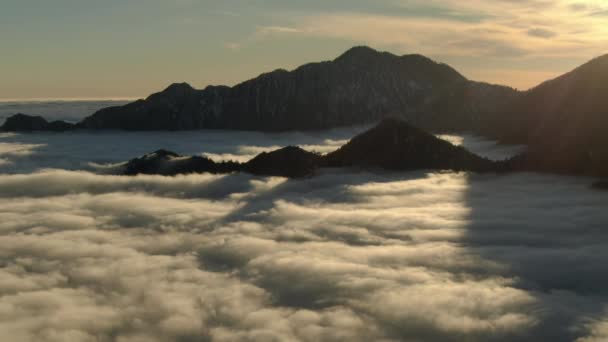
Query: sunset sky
{"x":130,"y":48}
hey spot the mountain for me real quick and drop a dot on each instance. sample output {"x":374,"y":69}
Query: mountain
{"x":395,"y":145}
{"x":360,"y":86}
{"x":564,"y":122}
{"x":290,"y":161}
{"x":167,"y":163}
{"x":22,"y":122}
{"x":391,"y":145}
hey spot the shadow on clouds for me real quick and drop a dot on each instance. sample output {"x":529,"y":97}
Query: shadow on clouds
{"x":345,"y":255}
{"x":550,"y":234}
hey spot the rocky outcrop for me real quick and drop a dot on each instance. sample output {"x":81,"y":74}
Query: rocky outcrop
{"x":361,"y":86}
{"x":24,"y":123}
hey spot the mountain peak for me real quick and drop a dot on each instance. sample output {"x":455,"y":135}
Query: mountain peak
{"x":361,"y":86}
{"x":175,"y":90}
{"x":359,"y":52}
{"x":178,"y":87}
{"x":396,"y":145}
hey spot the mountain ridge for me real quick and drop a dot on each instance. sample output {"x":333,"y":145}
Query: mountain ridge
{"x":392,"y":145}
{"x":562,"y":121}
{"x":361,"y":86}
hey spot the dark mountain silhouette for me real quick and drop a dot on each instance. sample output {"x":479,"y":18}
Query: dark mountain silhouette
{"x":563,"y":121}
{"x":290,"y":161}
{"x":391,"y":145}
{"x":287,"y":162}
{"x":163,"y":162}
{"x":177,"y":107}
{"x":396,"y":145}
{"x":361,"y":86}
{"x":22,"y":122}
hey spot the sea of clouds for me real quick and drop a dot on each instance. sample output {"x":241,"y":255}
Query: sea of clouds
{"x":342,"y":256}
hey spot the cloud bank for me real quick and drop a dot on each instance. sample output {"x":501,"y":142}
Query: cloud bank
{"x":341,"y":256}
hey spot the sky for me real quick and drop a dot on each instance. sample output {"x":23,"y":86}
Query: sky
{"x":131,"y":48}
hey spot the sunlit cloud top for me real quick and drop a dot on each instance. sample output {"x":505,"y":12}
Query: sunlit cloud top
{"x":131,"y":48}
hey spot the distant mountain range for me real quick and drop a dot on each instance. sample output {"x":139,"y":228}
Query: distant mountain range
{"x":21,"y":122}
{"x":562,"y":120}
{"x":359,"y":87}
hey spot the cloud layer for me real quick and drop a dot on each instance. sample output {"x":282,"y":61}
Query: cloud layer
{"x":350,"y":256}
{"x":341,"y":256}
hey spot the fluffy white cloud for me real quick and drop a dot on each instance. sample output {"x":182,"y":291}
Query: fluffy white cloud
{"x":341,"y":256}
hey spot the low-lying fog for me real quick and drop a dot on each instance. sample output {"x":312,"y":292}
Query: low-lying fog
{"x":343,"y":256}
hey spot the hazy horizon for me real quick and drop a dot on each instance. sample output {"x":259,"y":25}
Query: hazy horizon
{"x":70,"y":49}
{"x":69,"y":99}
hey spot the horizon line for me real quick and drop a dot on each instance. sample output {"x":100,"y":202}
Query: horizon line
{"x":69,"y":99}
